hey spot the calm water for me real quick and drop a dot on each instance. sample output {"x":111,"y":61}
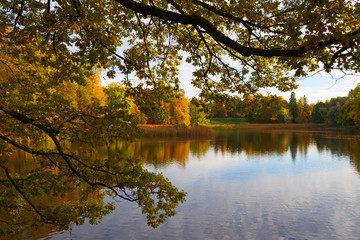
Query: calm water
{"x":247,"y":184}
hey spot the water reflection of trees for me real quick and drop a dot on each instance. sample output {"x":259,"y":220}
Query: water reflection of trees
{"x":340,"y":145}
{"x":255,"y":142}
{"x":251,"y":142}
{"x":260,"y":142}
{"x":40,"y":203}
{"x":163,"y":151}
{"x":37,"y":197}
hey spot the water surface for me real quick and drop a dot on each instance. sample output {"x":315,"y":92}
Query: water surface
{"x":246,"y":184}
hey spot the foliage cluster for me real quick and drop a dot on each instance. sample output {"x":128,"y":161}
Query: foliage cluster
{"x":344,"y":111}
{"x":161,"y":105}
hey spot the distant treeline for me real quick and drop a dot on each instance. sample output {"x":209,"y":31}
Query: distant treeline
{"x":165,"y":105}
{"x":344,"y":111}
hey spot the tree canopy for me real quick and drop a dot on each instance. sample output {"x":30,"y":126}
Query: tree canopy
{"x":238,"y":46}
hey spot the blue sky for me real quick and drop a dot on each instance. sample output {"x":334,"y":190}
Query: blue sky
{"x":321,"y":86}
{"x":315,"y":88}
{"x":318,"y":87}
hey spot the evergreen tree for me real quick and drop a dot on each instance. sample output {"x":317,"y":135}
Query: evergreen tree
{"x":293,"y":107}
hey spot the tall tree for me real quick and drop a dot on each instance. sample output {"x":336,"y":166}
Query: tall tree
{"x":180,"y":111}
{"x":293,"y":107}
{"x":307,"y":110}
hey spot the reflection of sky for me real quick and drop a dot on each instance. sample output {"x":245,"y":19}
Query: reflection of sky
{"x":235,"y":196}
{"x":240,"y":166}
{"x":266,"y":198}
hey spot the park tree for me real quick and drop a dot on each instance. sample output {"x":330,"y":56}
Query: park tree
{"x":307,"y":110}
{"x":203,"y":106}
{"x":154,"y":102}
{"x":352,"y":106}
{"x":219,"y":110}
{"x":335,"y":110}
{"x":293,"y":110}
{"x":236,"y":46}
{"x":319,"y":112}
{"x":180,"y":111}
{"x":198,"y":116}
{"x":300,"y":118}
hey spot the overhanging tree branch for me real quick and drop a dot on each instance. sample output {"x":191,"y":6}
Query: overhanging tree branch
{"x":222,"y":38}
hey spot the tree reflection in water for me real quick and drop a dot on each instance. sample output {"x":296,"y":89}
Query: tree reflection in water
{"x":38,"y":195}
{"x":164,"y":151}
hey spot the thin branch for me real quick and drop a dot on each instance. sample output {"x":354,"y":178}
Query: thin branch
{"x":245,"y":23}
{"x":20,"y":13}
{"x":147,"y":48}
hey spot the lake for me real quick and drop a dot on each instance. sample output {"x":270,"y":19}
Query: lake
{"x":245,"y":184}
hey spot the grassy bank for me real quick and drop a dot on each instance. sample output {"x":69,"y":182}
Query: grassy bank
{"x":272,"y":125}
{"x":280,"y":126}
{"x":208,"y":131}
{"x":175,"y":131}
{"x":222,"y":121}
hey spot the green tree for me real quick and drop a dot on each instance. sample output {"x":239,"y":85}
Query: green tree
{"x":203,"y":105}
{"x":352,"y":106}
{"x":198,"y":116}
{"x":335,"y":110}
{"x":333,"y":114}
{"x":300,"y":118}
{"x":318,"y":112}
{"x":293,"y":110}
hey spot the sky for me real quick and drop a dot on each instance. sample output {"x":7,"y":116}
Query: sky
{"x":316,"y":88}
{"x":319,"y":87}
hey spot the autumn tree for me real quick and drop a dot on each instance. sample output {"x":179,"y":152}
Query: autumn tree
{"x":55,"y":107}
{"x":180,"y":111}
{"x":268,"y":40}
{"x":307,"y":110}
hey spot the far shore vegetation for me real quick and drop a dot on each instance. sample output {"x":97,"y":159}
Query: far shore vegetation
{"x":165,"y":106}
